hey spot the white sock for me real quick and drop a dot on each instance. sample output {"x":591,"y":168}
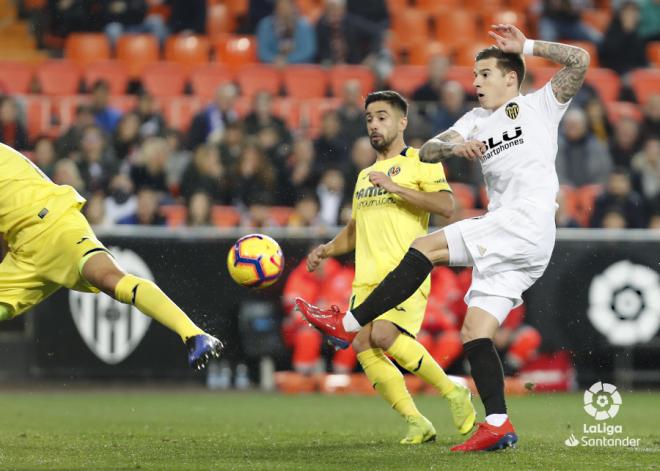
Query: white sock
{"x":350,"y":323}
{"x":496,"y":419}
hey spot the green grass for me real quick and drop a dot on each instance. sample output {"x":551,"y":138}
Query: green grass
{"x":199,"y":430}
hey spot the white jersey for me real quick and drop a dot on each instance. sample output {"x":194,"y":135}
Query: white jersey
{"x":521,"y":136}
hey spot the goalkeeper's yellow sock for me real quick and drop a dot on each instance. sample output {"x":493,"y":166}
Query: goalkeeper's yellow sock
{"x":411,"y":355}
{"x":388,"y":381}
{"x":149,"y":299}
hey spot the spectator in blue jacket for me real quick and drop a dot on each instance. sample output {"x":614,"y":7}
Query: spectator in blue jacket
{"x":286,"y":38}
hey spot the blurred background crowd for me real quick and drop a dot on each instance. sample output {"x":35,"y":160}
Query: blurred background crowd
{"x":250,"y":112}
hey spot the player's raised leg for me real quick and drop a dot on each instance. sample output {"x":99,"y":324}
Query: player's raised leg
{"x":101,"y":271}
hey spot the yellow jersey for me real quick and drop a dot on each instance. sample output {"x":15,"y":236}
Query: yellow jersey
{"x":29,"y":200}
{"x":386,"y":224}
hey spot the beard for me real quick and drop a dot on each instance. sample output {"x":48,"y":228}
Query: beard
{"x":382,"y":145}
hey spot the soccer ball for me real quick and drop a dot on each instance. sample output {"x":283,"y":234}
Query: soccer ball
{"x":255,"y":260}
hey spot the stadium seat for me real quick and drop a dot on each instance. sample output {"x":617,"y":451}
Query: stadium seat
{"x":622,"y":109}
{"x":645,"y":83}
{"x":179,"y":111}
{"x":189,"y":50}
{"x":590,"y":48}
{"x":585,"y":197}
{"x":410,"y":22}
{"x":463,"y":75}
{"x":433,"y":7}
{"x":495,"y":15}
{"x":85,"y":48}
{"x":37,"y":110}
{"x":605,"y":81}
{"x":280,"y":214}
{"x":395,"y":7}
{"x":311,"y":112}
{"x":206,"y":79}
{"x":164,"y":79}
{"x":58,"y":77}
{"x":225,"y":216}
{"x":305,"y":81}
{"x":112,"y":71}
{"x":174,"y":214}
{"x":653,"y":53}
{"x":542,"y":75}
{"x":405,"y":79}
{"x":219,"y":20}
{"x":534,"y":62}
{"x":421,"y":53}
{"x":456,"y":28}
{"x":237,"y":7}
{"x":236,"y":51}
{"x":123,"y":103}
{"x":257,"y":77}
{"x":136,"y":51}
{"x":464,"y":194}
{"x":310,"y":9}
{"x":16,"y":77}
{"x":289,"y":110}
{"x":340,"y":74}
{"x":599,"y":19}
{"x":466,"y":54}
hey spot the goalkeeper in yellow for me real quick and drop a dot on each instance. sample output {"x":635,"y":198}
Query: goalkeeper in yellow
{"x":391,"y":205}
{"x":47,"y":244}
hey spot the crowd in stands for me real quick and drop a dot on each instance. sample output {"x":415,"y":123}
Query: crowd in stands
{"x":253,"y":159}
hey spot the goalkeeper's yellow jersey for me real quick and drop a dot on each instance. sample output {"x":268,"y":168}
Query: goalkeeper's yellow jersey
{"x":29,"y":200}
{"x":386,"y":225}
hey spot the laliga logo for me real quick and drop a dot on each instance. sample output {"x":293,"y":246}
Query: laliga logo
{"x":602,"y":401}
{"x":112,"y":330}
{"x":624,"y":303}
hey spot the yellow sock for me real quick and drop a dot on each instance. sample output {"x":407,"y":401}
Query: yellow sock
{"x":412,"y":355}
{"x":149,"y":299}
{"x":388,"y":381}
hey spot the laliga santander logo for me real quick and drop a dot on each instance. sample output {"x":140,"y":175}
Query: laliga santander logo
{"x":624,"y":303}
{"x":112,"y":330}
{"x":602,"y":401}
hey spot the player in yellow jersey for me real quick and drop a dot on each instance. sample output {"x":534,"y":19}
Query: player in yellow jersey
{"x":49,"y":244}
{"x":391,"y":205}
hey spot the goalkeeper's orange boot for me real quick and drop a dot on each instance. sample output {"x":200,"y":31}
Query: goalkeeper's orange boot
{"x":328,"y":322}
{"x":490,"y":438}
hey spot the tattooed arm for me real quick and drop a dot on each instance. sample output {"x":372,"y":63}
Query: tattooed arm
{"x":450,"y":144}
{"x":565,"y":83}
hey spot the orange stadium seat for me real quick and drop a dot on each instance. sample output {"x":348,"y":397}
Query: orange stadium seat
{"x":421,"y":53}
{"x":16,"y":77}
{"x":496,"y":16}
{"x":174,"y":214}
{"x":280,"y":214}
{"x":58,"y":77}
{"x":310,"y":9}
{"x":312,"y":111}
{"x":85,"y":48}
{"x":605,"y":81}
{"x":289,"y":110}
{"x":456,"y":27}
{"x":410,"y":22}
{"x":179,"y":111}
{"x":206,"y":79}
{"x":164,"y":79}
{"x":405,"y":79}
{"x":433,"y":7}
{"x":464,"y":194}
{"x":136,"y":51}
{"x":535,"y":62}
{"x":339,"y":74}
{"x":37,"y":112}
{"x":622,"y":109}
{"x":645,"y":83}
{"x":225,"y":216}
{"x":235,"y":50}
{"x":305,"y":81}
{"x":189,"y":50}
{"x":653,"y":53}
{"x":257,"y":77}
{"x":463,"y":75}
{"x":112,"y":71}
{"x":585,"y":197}
{"x":466,"y":54}
{"x":598,"y":19}
{"x":394,"y":7}
{"x":590,"y":48}
{"x":237,"y":7}
{"x":219,"y":20}
{"x":123,"y":103}
{"x":542,"y":75}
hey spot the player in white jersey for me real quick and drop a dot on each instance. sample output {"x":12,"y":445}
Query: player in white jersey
{"x":515,"y":139}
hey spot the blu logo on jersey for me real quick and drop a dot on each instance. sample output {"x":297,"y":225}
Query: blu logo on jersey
{"x":506,"y":137}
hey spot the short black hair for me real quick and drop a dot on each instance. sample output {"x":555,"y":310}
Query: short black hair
{"x":391,"y":97}
{"x":506,"y":61}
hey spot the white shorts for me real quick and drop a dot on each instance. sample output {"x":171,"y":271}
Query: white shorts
{"x":506,"y":259}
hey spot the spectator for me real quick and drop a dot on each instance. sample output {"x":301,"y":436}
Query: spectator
{"x":297,"y":174}
{"x":345,"y":38}
{"x":44,"y":155}
{"x":178,"y":160}
{"x":188,"y":16}
{"x":66,"y":173}
{"x":646,"y":165}
{"x":253,"y":178}
{"x":561,"y":19}
{"x":651,"y":123}
{"x":432,"y":89}
{"x":619,"y":201}
{"x":362,"y":156}
{"x":126,"y":140}
{"x":121,"y":202}
{"x":623,"y":48}
{"x":209,"y":125}
{"x":257,"y":10}
{"x":625,"y":142}
{"x":130,"y":16}
{"x":258,"y":214}
{"x":373,"y":11}
{"x":598,"y":122}
{"x":306,"y":211}
{"x":199,"y":210}
{"x":97,"y":164}
{"x":106,"y":116}
{"x":330,"y":192}
{"x":69,"y":143}
{"x":12,"y":131}
{"x":451,"y":105}
{"x":331,"y":148}
{"x":262,"y":116}
{"x":148,"y":210}
{"x":152,"y":122}
{"x":649,"y":26}
{"x":351,"y":112}
{"x":149,"y":170}
{"x":581,"y":158}
{"x":94,"y":211}
{"x":284,"y":37}
{"x":206,"y":173}
{"x":232,"y":143}
{"x":67,"y":16}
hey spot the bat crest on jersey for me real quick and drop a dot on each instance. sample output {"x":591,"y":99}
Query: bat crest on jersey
{"x":512,"y":110}
{"x":394,"y":170}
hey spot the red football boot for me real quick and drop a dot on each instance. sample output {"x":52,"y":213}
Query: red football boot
{"x":328,"y":322}
{"x":490,"y":438}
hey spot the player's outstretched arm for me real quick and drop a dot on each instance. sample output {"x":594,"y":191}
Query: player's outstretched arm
{"x":450,"y":144}
{"x":566,"y":82}
{"x":343,"y":242}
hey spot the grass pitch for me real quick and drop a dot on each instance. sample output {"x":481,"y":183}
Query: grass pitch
{"x":200,"y":430}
